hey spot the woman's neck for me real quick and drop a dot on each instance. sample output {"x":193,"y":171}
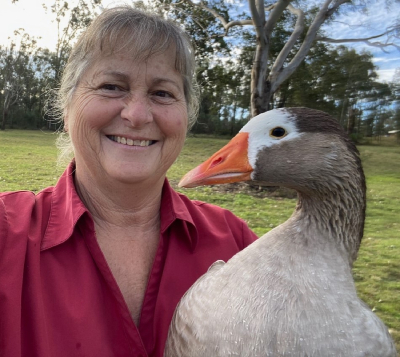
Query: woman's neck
{"x":121,"y":205}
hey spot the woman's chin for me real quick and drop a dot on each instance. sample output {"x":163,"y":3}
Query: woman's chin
{"x":129,"y":177}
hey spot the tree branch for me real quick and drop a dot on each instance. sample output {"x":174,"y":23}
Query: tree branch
{"x":298,"y":30}
{"x":336,"y":5}
{"x":260,"y":66}
{"x":276,"y":11}
{"x":225,"y":24}
{"x":365,"y":40}
{"x":306,"y":45}
{"x":259,"y":7}
{"x":259,"y":21}
{"x":239,"y":23}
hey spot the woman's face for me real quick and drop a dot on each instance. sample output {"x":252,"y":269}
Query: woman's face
{"x":128,"y":120}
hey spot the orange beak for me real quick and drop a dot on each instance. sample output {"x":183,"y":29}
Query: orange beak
{"x":230,"y":164}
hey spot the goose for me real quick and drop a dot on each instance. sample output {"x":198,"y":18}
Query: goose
{"x":291,"y":292}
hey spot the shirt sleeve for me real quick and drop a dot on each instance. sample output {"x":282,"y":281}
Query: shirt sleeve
{"x":248,"y":236}
{"x":218,"y":222}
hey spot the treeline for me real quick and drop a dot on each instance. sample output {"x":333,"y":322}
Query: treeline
{"x":337,"y":80}
{"x":29,"y":74}
{"x":26,"y":76}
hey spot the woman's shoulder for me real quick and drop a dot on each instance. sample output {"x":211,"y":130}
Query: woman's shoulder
{"x":9,"y":195}
{"x":207,"y":209}
{"x":18,"y":209}
{"x":211,"y":218}
{"x":22,"y":200}
{"x":16,"y":201}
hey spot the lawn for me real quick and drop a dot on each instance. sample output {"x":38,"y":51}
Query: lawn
{"x":28,"y":162}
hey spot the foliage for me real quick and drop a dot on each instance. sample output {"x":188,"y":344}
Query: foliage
{"x":17,"y":74}
{"x":283,"y":33}
{"x":337,"y":80}
{"x":28,"y":73}
{"x":79,"y":17}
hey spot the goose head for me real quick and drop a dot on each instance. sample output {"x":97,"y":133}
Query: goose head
{"x":299,"y":148}
{"x":302,"y":149}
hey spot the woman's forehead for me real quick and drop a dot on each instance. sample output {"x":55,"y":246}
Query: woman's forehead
{"x":157,"y":69}
{"x":136,"y":42}
{"x":128,"y":55}
{"x":122,"y":63}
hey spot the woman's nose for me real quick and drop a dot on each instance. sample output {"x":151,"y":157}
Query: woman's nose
{"x":137,"y":111}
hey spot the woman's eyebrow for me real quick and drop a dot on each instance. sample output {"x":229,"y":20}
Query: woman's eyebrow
{"x":125,"y":76}
{"x":117,"y":74}
{"x":161,"y":80}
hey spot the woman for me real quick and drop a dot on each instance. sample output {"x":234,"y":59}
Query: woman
{"x":96,"y":265}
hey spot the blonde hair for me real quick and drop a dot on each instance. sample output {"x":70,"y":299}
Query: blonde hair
{"x":137,"y":33}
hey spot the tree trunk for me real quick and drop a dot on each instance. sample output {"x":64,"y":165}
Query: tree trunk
{"x":9,"y":100}
{"x":3,"y":123}
{"x":260,"y":103}
{"x":351,"y":121}
{"x":5,"y":109}
{"x":284,"y":94}
{"x":259,"y":84}
{"x":233,"y":117}
{"x":343,"y":111}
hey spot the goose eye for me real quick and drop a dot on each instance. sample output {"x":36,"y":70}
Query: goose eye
{"x":278,"y":132}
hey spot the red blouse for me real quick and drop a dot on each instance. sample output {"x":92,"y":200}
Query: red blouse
{"x":58,"y":296}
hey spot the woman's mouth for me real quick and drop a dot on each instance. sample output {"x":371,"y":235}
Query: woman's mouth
{"x":130,"y":142}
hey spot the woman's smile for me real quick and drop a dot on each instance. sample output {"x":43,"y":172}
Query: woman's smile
{"x":131,"y":142}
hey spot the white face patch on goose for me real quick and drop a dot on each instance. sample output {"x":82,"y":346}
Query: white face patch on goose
{"x":260,"y":130}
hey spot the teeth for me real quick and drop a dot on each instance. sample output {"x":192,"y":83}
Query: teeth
{"x":130,"y":142}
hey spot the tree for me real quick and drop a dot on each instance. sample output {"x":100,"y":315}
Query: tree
{"x":396,"y":120}
{"x":15,"y":68}
{"x":303,"y":24}
{"x":396,"y":95}
{"x":222,"y":96}
{"x":28,"y":73}
{"x":79,"y":17}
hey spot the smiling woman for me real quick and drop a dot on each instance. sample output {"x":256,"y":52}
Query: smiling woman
{"x":96,"y":265}
{"x":140,"y":102}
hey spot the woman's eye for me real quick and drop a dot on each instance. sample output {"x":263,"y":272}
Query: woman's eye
{"x":278,"y":132}
{"x":163,"y":94}
{"x":110,"y":87}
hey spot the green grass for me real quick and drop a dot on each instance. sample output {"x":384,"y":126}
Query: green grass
{"x":28,"y":162}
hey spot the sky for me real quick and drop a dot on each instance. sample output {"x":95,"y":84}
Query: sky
{"x":30,"y":15}
{"x":374,"y":22}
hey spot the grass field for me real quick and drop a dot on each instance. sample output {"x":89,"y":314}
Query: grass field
{"x":28,"y":162}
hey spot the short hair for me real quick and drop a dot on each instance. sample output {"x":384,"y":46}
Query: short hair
{"x":141,"y":35}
